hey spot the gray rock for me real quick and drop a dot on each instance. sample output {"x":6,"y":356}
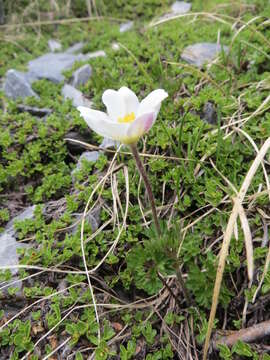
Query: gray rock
{"x":180,"y":7}
{"x":63,"y":284}
{"x":92,"y":218}
{"x":31,"y":77}
{"x":17,"y":85}
{"x":75,"y":48}
{"x":91,"y":156}
{"x":8,"y":251}
{"x":65,"y":351}
{"x":76,"y":148}
{"x":54,"y":45}
{"x":209,"y":113}
{"x":201,"y":53}
{"x":177,"y":8}
{"x":50,"y":66}
{"x":109,"y":143}
{"x":34,"y":110}
{"x":126,"y":26}
{"x":28,"y":213}
{"x":9,"y":245}
{"x":81,"y":75}
{"x":70,"y":92}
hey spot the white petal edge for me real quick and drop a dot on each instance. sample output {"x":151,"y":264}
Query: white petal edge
{"x":114,"y":103}
{"x":102,"y":125}
{"x":152,"y":102}
{"x":130,"y":100}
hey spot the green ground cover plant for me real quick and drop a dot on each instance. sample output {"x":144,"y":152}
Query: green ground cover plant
{"x":193,"y":167}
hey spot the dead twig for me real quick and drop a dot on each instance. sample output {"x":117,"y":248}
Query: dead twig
{"x":248,"y":335}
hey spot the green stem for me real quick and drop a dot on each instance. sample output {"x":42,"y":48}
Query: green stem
{"x":151,"y":198}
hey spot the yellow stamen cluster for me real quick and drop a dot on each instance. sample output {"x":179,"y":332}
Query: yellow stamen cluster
{"x":127,"y":119}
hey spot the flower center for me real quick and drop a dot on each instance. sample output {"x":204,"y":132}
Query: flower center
{"x":127,"y":118}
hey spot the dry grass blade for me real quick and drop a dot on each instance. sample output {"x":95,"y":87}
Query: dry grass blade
{"x":198,"y":72}
{"x":56,"y":349}
{"x":89,"y":7}
{"x":82,"y":239}
{"x":9,"y":283}
{"x":154,"y":156}
{"x":34,"y":267}
{"x":219,"y":18}
{"x":35,"y":303}
{"x":257,"y":150}
{"x":227,"y":239}
{"x":247,"y":25}
{"x":123,"y":225}
{"x":248,"y":243}
{"x":61,"y":21}
{"x":195,"y":15}
{"x":257,"y":111}
{"x":245,"y":228}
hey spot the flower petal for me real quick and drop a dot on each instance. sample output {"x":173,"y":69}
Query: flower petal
{"x":130,"y":100}
{"x":114,"y":103}
{"x":152,"y":102}
{"x":139,"y":127}
{"x":102,"y":125}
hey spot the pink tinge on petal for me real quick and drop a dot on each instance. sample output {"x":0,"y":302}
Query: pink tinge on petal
{"x":148,"y":121}
{"x":140,"y":126}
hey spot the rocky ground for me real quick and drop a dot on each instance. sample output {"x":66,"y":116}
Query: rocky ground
{"x":213,"y":60}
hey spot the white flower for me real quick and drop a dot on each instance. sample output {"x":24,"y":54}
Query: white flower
{"x":127,"y":119}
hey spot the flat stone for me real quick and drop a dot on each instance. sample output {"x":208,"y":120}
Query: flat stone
{"x":9,"y":245}
{"x":34,"y":110}
{"x":54,"y":45}
{"x":92,"y":218}
{"x":201,"y":53}
{"x":76,"y":148}
{"x":8,"y":251}
{"x":177,"y":8}
{"x":51,"y":65}
{"x":109,"y":143}
{"x":81,"y":75}
{"x":31,"y":77}
{"x":70,"y":92}
{"x":126,"y":26}
{"x":209,"y":113}
{"x":91,"y":156}
{"x":28,"y":213}
{"x":180,"y":7}
{"x":75,"y":48}
{"x":17,"y":85}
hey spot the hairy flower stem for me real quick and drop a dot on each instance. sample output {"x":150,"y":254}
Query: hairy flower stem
{"x":154,"y":212}
{"x":183,"y":286}
{"x":151,"y":198}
